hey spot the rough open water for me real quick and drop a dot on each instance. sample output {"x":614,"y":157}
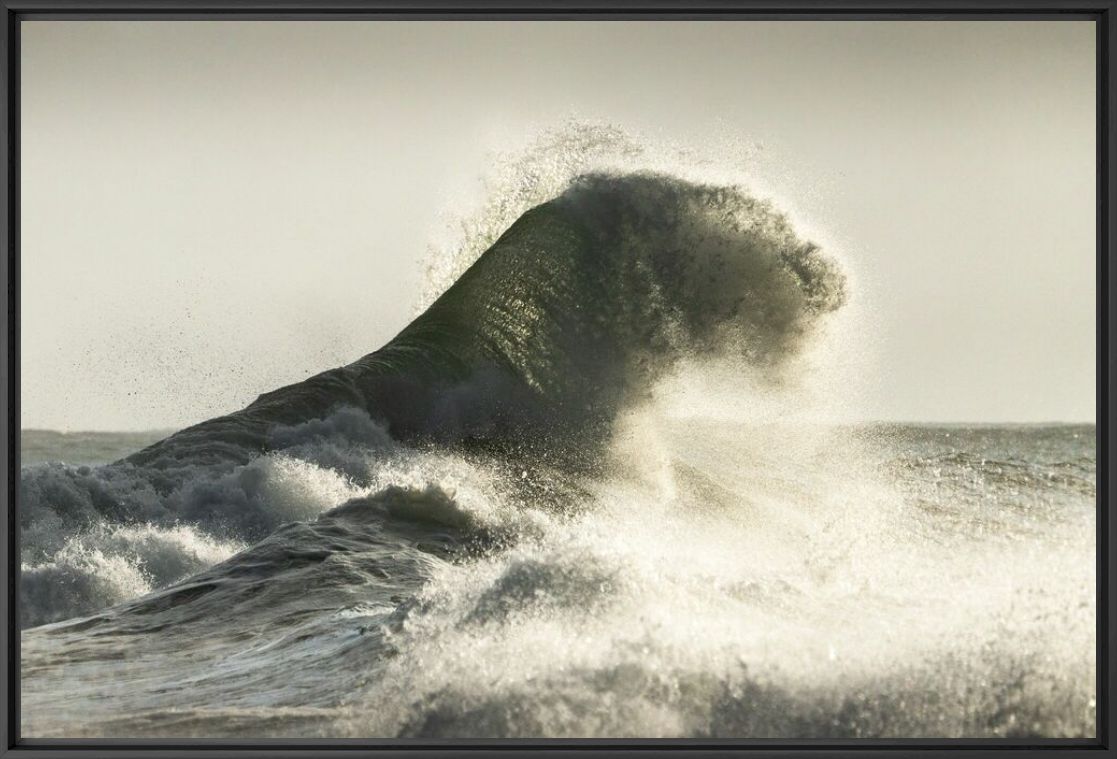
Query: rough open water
{"x":544,"y":510}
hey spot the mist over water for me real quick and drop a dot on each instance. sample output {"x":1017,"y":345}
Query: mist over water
{"x":595,"y":489}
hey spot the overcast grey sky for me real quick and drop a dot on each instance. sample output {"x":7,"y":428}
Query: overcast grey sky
{"x":213,"y":209}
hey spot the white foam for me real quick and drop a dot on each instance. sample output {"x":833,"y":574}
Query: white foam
{"x":759,"y":580}
{"x":108,"y":565}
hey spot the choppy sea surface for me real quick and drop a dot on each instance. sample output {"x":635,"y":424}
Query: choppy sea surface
{"x":720,"y":581}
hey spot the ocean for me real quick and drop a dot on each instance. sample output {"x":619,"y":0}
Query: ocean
{"x":532,"y":514}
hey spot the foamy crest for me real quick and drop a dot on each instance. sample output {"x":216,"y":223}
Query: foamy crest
{"x":108,"y":565}
{"x":524,"y":173}
{"x":75,"y":562}
{"x":82,"y":548}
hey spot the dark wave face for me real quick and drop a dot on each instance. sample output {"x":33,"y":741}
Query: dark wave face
{"x":575,"y":311}
{"x":498,"y":525}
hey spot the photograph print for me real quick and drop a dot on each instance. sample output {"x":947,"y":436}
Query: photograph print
{"x":727,"y":380}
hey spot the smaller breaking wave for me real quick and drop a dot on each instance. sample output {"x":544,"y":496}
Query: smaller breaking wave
{"x":94,"y":537}
{"x":108,"y":565}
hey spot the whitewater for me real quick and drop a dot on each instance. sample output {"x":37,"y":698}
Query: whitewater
{"x":586,"y":493}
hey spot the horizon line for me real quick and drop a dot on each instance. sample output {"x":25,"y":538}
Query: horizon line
{"x":862,"y":422}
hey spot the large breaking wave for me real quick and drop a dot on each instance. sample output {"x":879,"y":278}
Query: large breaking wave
{"x":570,"y":316}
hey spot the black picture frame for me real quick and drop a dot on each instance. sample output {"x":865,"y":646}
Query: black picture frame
{"x":16,"y":11}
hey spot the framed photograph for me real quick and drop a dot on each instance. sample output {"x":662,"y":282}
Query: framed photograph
{"x":405,"y":378}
